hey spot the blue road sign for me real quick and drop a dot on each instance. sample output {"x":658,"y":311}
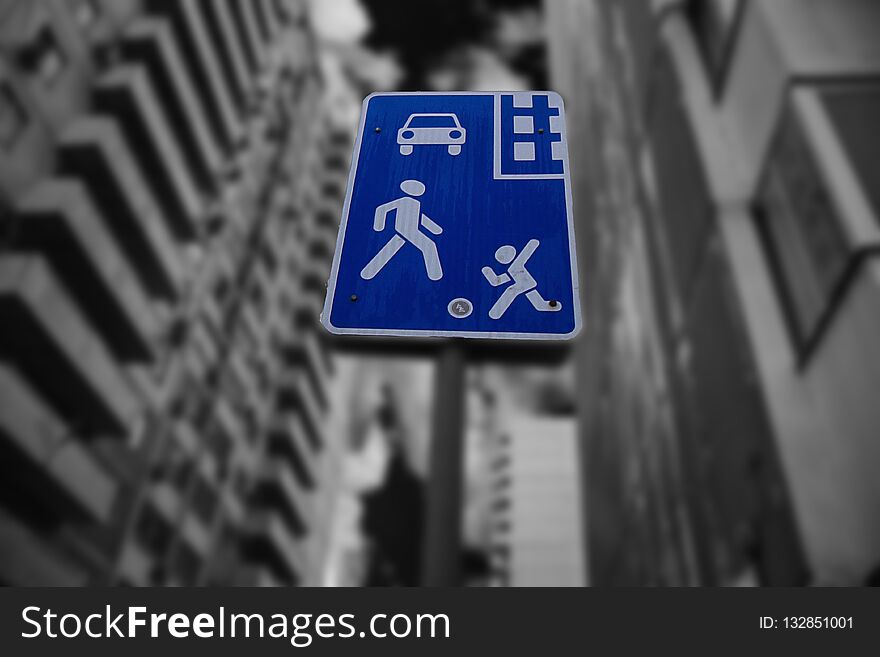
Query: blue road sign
{"x":457,"y":220}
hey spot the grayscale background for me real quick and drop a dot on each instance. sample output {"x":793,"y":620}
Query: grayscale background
{"x":171,"y":412}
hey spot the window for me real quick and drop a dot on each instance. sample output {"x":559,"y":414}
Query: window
{"x":502,"y":526}
{"x":812,"y":242}
{"x":327,"y":219}
{"x":501,"y":462}
{"x":43,"y":56}
{"x":853,"y":110}
{"x":502,"y":482}
{"x":336,"y":162}
{"x":13,"y":118}
{"x":332,"y":189}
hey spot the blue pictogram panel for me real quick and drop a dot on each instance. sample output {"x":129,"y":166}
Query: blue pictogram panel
{"x":457,"y":220}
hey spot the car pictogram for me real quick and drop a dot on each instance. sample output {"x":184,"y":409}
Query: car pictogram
{"x":424,"y":129}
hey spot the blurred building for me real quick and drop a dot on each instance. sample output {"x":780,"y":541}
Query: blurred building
{"x":536,"y":516}
{"x":725,"y":155}
{"x":171,"y":190}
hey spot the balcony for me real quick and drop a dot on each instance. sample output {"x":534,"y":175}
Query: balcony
{"x":266,"y":19}
{"x":313,"y":278}
{"x":246,"y":379}
{"x":324,"y":353}
{"x":293,"y":251}
{"x":245,"y":21}
{"x":221,"y":25}
{"x":307,"y":308}
{"x":202,"y":65}
{"x":128,"y":95}
{"x":287,"y":440}
{"x":278,"y":325}
{"x":94,"y":151}
{"x":49,"y":341}
{"x":268,"y":539}
{"x":273,"y":252}
{"x":252,"y":323}
{"x":42,"y":457}
{"x":333,"y":189}
{"x":231,"y":426}
{"x":327,"y":213}
{"x":322,"y":244}
{"x":278,"y":488}
{"x":304,"y":350}
{"x":60,"y":221}
{"x":150,"y":42}
{"x":266,"y":282}
{"x":295,"y":393}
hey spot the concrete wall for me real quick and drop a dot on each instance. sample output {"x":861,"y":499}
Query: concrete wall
{"x":824,"y":410}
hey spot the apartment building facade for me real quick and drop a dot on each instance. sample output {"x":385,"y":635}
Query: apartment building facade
{"x":535,"y":513}
{"x":726,"y":161}
{"x":166,"y":234}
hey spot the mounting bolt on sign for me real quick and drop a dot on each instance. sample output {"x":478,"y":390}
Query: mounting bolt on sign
{"x":457,"y":220}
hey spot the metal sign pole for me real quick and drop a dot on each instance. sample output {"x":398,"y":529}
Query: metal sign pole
{"x":442,"y":538}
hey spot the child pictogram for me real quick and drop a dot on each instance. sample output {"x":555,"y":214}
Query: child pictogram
{"x":523,"y":281}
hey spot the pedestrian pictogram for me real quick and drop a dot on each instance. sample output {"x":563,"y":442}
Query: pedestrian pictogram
{"x":408,"y":218}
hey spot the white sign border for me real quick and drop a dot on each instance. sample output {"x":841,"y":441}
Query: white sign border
{"x":492,"y":335}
